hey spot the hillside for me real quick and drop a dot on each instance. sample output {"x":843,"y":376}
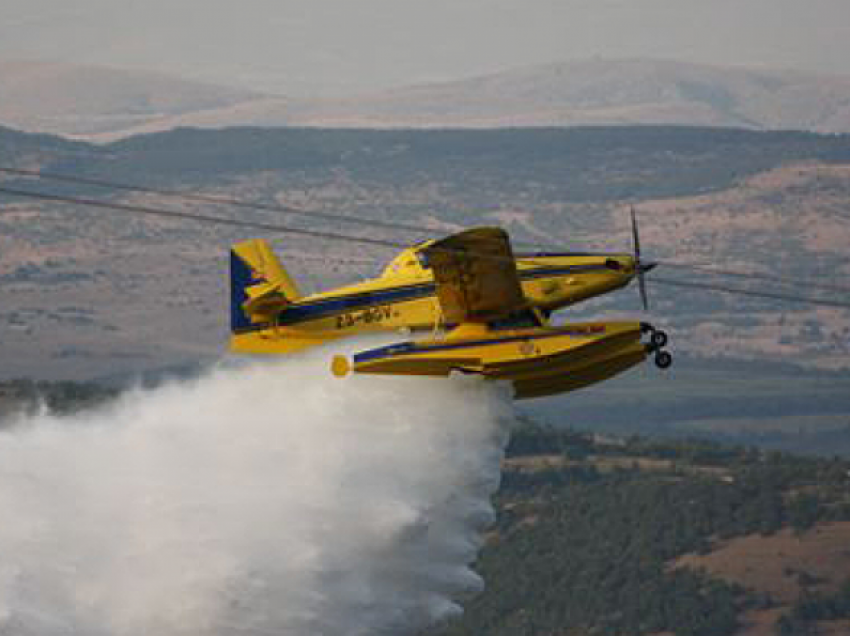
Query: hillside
{"x":104,"y":104}
{"x":607,"y":536}
{"x":73,"y":100}
{"x":607,"y":92}
{"x":84,"y":282}
{"x":94,"y":294}
{"x":778,"y":406}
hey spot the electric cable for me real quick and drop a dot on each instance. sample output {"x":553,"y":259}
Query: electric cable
{"x":229,"y":201}
{"x":206,"y":218}
{"x":203,"y":218}
{"x":371,"y":223}
{"x":754,"y":276}
{"x":748,"y":292}
{"x":272,"y":227}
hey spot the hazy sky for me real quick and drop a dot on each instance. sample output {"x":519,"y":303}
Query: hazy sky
{"x":342,"y":45}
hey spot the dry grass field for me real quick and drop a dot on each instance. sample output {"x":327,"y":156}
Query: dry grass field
{"x":781,"y":565}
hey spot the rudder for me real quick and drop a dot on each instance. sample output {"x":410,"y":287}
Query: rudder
{"x":260,"y":287}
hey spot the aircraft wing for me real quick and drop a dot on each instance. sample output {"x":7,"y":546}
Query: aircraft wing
{"x":476,"y":275}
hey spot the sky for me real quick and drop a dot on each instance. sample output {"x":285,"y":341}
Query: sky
{"x":345,"y":46}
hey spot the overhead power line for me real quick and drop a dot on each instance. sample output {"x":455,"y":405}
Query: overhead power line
{"x":370,"y":223}
{"x":276,"y":228}
{"x":754,"y":293}
{"x":755,"y":276}
{"x":230,"y":201}
{"x":201,"y":218}
{"x":217,"y":200}
{"x":207,"y":218}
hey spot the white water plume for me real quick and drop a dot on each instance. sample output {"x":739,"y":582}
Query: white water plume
{"x":268,"y":498}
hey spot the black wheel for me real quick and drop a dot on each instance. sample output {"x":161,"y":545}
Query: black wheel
{"x":659,"y":339}
{"x":663,"y":360}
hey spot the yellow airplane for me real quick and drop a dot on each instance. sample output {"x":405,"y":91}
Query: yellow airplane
{"x":269,"y":314}
{"x":500,"y":334}
{"x":494,"y":305}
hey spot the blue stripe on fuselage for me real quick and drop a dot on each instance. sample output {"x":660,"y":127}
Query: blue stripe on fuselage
{"x":325,"y":307}
{"x":332,"y":306}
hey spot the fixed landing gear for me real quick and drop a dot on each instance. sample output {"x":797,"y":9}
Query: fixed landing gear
{"x":657,"y":341}
{"x":663,"y":360}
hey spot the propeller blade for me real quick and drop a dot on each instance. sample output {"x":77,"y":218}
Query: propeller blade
{"x":635,"y":236}
{"x":642,"y":286}
{"x":640,"y":268}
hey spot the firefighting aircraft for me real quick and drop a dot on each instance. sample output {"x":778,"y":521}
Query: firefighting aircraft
{"x":487,"y":309}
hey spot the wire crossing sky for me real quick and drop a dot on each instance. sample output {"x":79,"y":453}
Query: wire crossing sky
{"x":334,"y":218}
{"x":834,"y":301}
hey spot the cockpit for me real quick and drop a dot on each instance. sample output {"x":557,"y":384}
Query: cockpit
{"x":411,"y":262}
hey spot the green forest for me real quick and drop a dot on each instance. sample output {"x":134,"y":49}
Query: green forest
{"x":585,"y":548}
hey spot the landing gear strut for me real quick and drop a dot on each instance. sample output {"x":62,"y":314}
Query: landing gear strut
{"x":657,"y":341}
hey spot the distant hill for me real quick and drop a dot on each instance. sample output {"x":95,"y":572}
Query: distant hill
{"x":72,"y":100}
{"x":105,"y":104}
{"x":609,"y":92}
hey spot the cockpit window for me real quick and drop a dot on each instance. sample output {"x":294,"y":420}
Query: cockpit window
{"x":423,"y":260}
{"x":613,"y":264}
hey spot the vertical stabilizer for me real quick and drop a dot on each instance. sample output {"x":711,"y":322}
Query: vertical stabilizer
{"x":260,"y":288}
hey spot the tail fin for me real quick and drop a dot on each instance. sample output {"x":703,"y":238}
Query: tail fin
{"x":260,"y":288}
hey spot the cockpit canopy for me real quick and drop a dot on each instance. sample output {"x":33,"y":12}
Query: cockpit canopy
{"x":411,"y":262}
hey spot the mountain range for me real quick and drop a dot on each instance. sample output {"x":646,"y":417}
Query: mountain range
{"x":104,"y":104}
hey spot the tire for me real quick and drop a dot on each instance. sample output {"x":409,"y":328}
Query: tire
{"x":659,"y":339}
{"x":663,"y":360}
